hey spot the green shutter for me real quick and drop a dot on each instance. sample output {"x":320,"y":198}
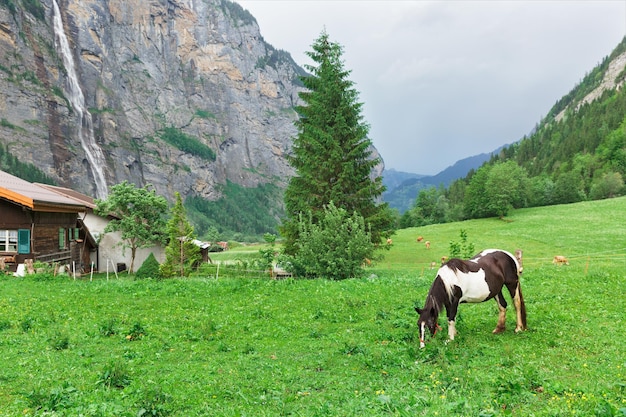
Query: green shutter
{"x":61,"y":238}
{"x":23,"y":241}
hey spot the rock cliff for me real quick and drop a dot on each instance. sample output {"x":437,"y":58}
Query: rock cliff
{"x":181,"y":94}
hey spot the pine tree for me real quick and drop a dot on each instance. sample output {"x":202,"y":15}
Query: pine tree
{"x":181,"y":253}
{"x":332,"y":154}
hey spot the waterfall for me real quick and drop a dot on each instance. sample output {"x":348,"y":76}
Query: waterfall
{"x":95,"y":156}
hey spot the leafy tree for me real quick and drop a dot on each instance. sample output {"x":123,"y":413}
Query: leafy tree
{"x":476,"y":200}
{"x":568,"y":188}
{"x":332,"y":154}
{"x":333,"y":247}
{"x":505,"y":188}
{"x":608,"y":185}
{"x":138,"y":216}
{"x":181,"y":253}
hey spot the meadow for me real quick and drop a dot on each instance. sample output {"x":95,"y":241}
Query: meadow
{"x":248,"y":345}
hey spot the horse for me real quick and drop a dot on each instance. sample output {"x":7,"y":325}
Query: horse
{"x":478,"y":279}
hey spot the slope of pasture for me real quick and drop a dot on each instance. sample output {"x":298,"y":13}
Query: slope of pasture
{"x":591,"y":233}
{"x":259,"y":347}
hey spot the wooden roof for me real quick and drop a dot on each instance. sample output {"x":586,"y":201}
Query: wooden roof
{"x":80,"y":198}
{"x":36,"y":197}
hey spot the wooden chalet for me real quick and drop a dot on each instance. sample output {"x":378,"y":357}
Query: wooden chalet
{"x":36,"y":223}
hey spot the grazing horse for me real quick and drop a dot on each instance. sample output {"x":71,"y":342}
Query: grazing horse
{"x":473,"y":281}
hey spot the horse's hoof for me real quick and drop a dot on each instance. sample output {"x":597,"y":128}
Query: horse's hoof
{"x":498,"y":330}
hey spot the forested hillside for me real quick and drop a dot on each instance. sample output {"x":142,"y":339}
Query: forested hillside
{"x":577,"y":152}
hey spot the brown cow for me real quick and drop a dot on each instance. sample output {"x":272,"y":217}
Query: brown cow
{"x":560,"y":260}
{"x":420,"y":238}
{"x":427,"y":243}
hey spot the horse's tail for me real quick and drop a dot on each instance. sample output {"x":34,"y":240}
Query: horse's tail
{"x":522,"y":306}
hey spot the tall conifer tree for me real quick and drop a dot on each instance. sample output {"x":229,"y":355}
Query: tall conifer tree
{"x":332,"y":153}
{"x":181,"y":253}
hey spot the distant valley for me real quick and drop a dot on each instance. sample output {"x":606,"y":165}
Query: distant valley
{"x":403,"y":187}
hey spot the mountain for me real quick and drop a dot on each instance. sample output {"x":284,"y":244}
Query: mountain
{"x":403,"y":188}
{"x":183,"y":95}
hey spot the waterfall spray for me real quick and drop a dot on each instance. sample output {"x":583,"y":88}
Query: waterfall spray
{"x":94,"y":154}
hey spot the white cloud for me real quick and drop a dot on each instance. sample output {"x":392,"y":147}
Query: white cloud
{"x":445,"y":80}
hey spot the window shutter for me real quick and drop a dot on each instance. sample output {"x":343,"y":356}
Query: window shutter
{"x":23,"y":241}
{"x":61,"y":238}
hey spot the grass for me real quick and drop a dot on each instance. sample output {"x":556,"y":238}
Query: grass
{"x":260,"y":347}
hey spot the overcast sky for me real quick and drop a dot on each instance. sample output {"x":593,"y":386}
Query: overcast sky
{"x":444,"y":80}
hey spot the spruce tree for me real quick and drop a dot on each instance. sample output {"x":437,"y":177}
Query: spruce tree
{"x":332,"y":154}
{"x":181,"y":253}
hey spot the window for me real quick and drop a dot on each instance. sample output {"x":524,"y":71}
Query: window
{"x":8,"y":240}
{"x":62,"y":239}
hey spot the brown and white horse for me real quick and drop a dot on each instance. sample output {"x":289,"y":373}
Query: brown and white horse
{"x":473,"y":281}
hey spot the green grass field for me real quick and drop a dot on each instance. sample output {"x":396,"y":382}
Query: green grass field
{"x":253,"y":346}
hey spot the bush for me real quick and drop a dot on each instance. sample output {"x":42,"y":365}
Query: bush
{"x":334,"y":248}
{"x":149,"y":268}
{"x":114,"y":375}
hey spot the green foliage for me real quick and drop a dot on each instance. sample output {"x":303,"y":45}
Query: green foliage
{"x":240,"y":211}
{"x":27,"y":172}
{"x":237,"y":13}
{"x":149,"y":268}
{"x":204,"y":114}
{"x":35,"y":8}
{"x":154,"y":402}
{"x":182,"y":255}
{"x":332,"y":154}
{"x":268,"y":253}
{"x":114,"y":375}
{"x":9,"y":4}
{"x":139,"y":216}
{"x":461,"y":249}
{"x":335,"y":247}
{"x":610,"y":184}
{"x":56,"y":399}
{"x":186,"y":143}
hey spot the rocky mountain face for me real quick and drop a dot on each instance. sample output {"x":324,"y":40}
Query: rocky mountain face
{"x":180,"y":94}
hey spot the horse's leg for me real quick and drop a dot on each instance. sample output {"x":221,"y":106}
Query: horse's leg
{"x":502,"y":315}
{"x":520,"y":308}
{"x":452,"y":310}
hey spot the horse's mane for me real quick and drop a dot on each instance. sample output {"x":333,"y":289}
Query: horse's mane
{"x":435,"y":294}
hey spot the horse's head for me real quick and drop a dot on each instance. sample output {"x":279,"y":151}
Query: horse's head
{"x":427,"y":320}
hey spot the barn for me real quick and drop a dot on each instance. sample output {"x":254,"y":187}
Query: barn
{"x":36,"y":223}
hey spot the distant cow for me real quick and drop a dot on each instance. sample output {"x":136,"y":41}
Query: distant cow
{"x":443,"y":259}
{"x":560,"y":260}
{"x":420,"y":238}
{"x":389,"y":241}
{"x":427,"y":243}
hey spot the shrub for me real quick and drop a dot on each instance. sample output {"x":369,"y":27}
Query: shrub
{"x":114,"y":375}
{"x":334,"y":248}
{"x":187,"y":143}
{"x":136,"y":332}
{"x":60,"y":341}
{"x":56,"y":399}
{"x":107,"y":328}
{"x":154,"y":403}
{"x":149,"y":268}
